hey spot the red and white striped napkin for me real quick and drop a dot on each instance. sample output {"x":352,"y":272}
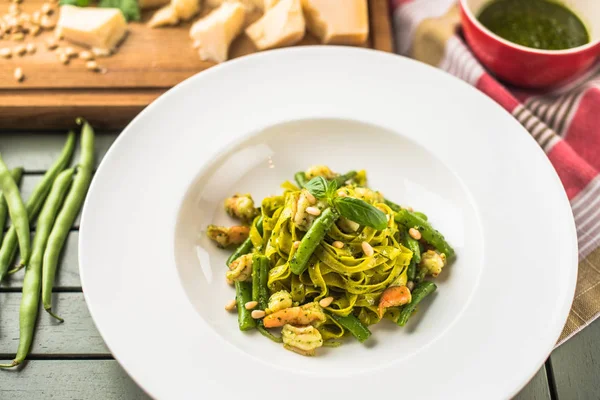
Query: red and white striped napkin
{"x":565,"y":122}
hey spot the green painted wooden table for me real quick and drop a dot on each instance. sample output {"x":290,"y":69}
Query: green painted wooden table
{"x":70,"y":360}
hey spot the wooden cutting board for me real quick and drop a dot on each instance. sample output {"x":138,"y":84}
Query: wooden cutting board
{"x":149,"y":62}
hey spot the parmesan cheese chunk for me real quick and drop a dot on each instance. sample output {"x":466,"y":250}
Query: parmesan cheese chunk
{"x":282,"y":25}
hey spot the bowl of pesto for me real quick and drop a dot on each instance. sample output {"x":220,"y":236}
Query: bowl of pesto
{"x":533,"y":43}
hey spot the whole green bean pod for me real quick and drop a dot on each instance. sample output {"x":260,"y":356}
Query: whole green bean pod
{"x":243,"y":294}
{"x":353,"y":325}
{"x":16,"y":174}
{"x":34,"y":203}
{"x":17,"y":211}
{"x":246,"y":246}
{"x":260,"y":277}
{"x":421,"y":291}
{"x":33,"y":274}
{"x":300,"y":178}
{"x":68,"y":213}
{"x":430,"y":235}
{"x":311,"y":240}
{"x":341,"y":180}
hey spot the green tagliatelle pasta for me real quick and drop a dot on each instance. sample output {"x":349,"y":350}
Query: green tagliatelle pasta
{"x":336,"y":263}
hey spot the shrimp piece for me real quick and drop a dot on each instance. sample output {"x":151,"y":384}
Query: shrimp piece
{"x":240,"y":269}
{"x":433,"y":262}
{"x":302,"y":219}
{"x":393,"y":296}
{"x":301,"y":339}
{"x":279,"y":301}
{"x":320,"y":170}
{"x":227,"y":236}
{"x":368,"y":195}
{"x":241,"y":206}
{"x":310,"y":313}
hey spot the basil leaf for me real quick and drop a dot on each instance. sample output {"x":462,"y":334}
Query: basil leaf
{"x":129,"y":8}
{"x":360,"y":212}
{"x":317,"y":186}
{"x":331,"y":188}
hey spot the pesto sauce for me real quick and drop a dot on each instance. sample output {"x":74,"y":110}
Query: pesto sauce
{"x":540,"y":24}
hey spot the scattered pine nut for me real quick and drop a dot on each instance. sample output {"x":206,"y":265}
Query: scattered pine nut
{"x":258,"y":314}
{"x":326,"y":302}
{"x":51,"y":44}
{"x":14,"y":9}
{"x":410,"y":285}
{"x":46,"y":9}
{"x":5,"y":52}
{"x":250,"y":305}
{"x":313,"y":211}
{"x":342,"y":193}
{"x":19,"y":74}
{"x":47,"y":22}
{"x":337,"y":244}
{"x":18,"y":36}
{"x":414,"y":233}
{"x":367,"y":249}
{"x":309,"y":196}
{"x":19,"y":50}
{"x":408,"y":208}
{"x":296,"y":244}
{"x":100,"y":52}
{"x":86,"y":55}
{"x":35,"y":29}
{"x":70,"y":52}
{"x":30,"y":48}
{"x":36,"y":17}
{"x":63,"y":58}
{"x":230,"y":306}
{"x":92,"y":66}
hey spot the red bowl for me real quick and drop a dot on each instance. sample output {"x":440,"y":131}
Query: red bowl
{"x":528,"y":67}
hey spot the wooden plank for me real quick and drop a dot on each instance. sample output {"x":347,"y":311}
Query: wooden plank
{"x":537,"y":388}
{"x":70,"y":379}
{"x":76,"y":336}
{"x":67,"y":275}
{"x":36,"y":153}
{"x":576,"y":365}
{"x":149,"y":62}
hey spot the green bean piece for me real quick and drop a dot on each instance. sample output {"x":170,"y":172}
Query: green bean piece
{"x":420,"y":215}
{"x":411,"y":272}
{"x":300,"y":178}
{"x":421,"y":291}
{"x":311,"y":240}
{"x":33,"y":274}
{"x":16,"y":174}
{"x":246,"y":246}
{"x":353,"y":325}
{"x":17,"y":210}
{"x":422,"y":273}
{"x":341,"y":180}
{"x":412,"y":245}
{"x":392,"y":205}
{"x":430,"y":235}
{"x":260,"y":277}
{"x":68,"y":213}
{"x":243,"y":294}
{"x":35,"y":202}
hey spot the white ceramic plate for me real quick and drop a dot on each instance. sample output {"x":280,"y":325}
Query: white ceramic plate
{"x":156,"y":288}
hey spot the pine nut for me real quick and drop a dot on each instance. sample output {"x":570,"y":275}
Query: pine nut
{"x":51,"y":44}
{"x":230,"y":306}
{"x":19,"y":50}
{"x":6,"y":52}
{"x":19,"y":74}
{"x":36,"y":17}
{"x":18,"y":36}
{"x":14,"y":9}
{"x":63,"y":58}
{"x":46,"y":9}
{"x":414,"y":233}
{"x":92,"y":65}
{"x":47,"y":22}
{"x":100,"y":52}
{"x":408,"y":208}
{"x":70,"y":52}
{"x":296,"y":244}
{"x":410,"y":285}
{"x":258,"y":314}
{"x":30,"y":48}
{"x":250,"y":305}
{"x":35,"y":29}
{"x":313,"y":211}
{"x":309,"y":196}
{"x":367,"y":249}
{"x":342,"y":193}
{"x":337,"y":244}
{"x":326,"y":302}
{"x":229,"y":281}
{"x":86,"y":55}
